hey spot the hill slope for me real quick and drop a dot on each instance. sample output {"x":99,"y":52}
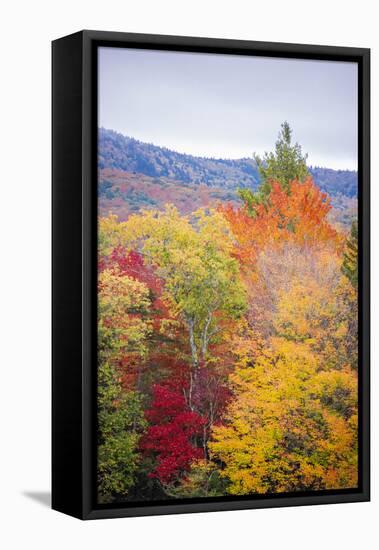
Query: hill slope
{"x":130,"y":155}
{"x":125,"y":193}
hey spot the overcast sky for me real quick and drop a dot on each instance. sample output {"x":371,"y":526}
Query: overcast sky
{"x":230,"y":106}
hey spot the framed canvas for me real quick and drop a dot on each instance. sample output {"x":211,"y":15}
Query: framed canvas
{"x":210,"y":274}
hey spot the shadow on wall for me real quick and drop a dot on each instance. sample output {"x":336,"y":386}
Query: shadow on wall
{"x":41,"y":497}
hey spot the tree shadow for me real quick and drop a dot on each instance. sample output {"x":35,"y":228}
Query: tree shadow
{"x":42,"y":497}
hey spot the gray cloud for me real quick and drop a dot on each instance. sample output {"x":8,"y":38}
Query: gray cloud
{"x":229,"y":106}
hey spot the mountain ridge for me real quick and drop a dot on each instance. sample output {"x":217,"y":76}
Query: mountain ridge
{"x":128,"y":154}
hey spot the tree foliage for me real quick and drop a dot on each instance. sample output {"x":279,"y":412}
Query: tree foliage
{"x":172,"y":434}
{"x":350,"y":257}
{"x":299,"y":217}
{"x":291,"y":426}
{"x":228,"y":344}
{"x":121,"y":422}
{"x":121,"y":330}
{"x":285,"y":164}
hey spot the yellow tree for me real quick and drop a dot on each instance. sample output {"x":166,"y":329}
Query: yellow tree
{"x":320,"y":309}
{"x":293,"y":422}
{"x":291,"y":427}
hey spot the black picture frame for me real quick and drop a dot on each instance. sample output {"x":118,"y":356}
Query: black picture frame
{"x":74,"y":204}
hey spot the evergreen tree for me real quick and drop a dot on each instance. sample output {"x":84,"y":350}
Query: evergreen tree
{"x":350,"y":257}
{"x":283,"y":165}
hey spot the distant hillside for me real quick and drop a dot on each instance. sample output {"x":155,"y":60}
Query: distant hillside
{"x":130,"y":155}
{"x":125,"y":193}
{"x":336,"y":182}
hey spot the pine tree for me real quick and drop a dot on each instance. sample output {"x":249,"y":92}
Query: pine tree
{"x":283,"y":165}
{"x":350,"y":257}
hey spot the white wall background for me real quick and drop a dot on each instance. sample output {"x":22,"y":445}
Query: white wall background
{"x":27,"y":27}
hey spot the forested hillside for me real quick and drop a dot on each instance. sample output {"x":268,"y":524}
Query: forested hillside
{"x":227,"y":335}
{"x":130,"y":155}
{"x":124,"y":193}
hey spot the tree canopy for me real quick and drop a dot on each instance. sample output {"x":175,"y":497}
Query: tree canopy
{"x":285,"y":164}
{"x":228,"y":344}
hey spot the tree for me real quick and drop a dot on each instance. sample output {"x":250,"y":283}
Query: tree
{"x":291,"y":425}
{"x":202,"y":480}
{"x":121,"y":422}
{"x":228,"y":346}
{"x":171,"y":437}
{"x":350,"y":257}
{"x":284,"y":165}
{"x":161,"y":276}
{"x":193,"y":256}
{"x":298,"y":217}
{"x":320,"y":309}
{"x":122,"y":330}
{"x":123,"y":325}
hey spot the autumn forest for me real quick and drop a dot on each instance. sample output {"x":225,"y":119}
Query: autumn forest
{"x":228,"y":339}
